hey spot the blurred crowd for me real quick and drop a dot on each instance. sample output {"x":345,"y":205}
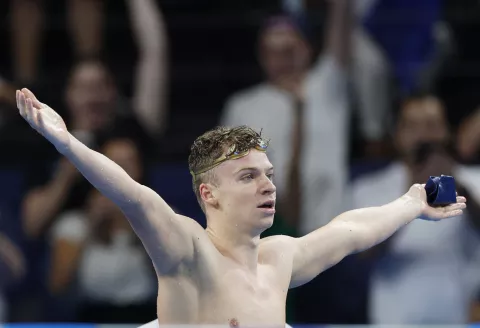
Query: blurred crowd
{"x":361,"y":99}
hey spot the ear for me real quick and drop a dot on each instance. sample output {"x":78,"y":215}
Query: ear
{"x":207,"y":192}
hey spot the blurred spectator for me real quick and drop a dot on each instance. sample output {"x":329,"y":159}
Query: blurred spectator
{"x":96,"y":112}
{"x":85,"y":22}
{"x":304,"y":109}
{"x":426,"y":271}
{"x":95,"y":253}
{"x":12,"y":269}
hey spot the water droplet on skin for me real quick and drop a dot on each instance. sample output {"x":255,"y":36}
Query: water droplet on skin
{"x":101,"y":169}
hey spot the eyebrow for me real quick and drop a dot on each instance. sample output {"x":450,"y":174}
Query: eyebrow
{"x":253,"y":169}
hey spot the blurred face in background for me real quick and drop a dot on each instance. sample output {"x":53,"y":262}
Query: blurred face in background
{"x":91,"y":96}
{"x":421,"y":121}
{"x":125,"y":153}
{"x":283,"y":52}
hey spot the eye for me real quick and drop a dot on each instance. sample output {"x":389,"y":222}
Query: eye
{"x":270,"y":176}
{"x":247,"y":177}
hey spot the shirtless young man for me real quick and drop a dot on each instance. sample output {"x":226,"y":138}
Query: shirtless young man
{"x":226,"y":274}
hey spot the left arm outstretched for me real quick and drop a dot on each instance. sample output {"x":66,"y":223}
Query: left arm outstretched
{"x":360,"y":229}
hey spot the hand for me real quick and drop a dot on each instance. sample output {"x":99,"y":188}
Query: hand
{"x":418,"y":194}
{"x":43,"y":119}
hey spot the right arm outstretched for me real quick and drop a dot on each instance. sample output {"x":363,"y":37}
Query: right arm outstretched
{"x":167,"y":237}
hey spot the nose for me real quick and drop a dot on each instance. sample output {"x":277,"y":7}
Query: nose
{"x":267,"y":187}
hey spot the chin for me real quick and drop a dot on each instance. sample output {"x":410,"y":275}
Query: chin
{"x":266,"y":222}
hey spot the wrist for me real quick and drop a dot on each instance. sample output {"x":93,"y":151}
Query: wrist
{"x":412,"y":205}
{"x":64,"y":148}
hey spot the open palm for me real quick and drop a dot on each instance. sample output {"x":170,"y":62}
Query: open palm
{"x":43,"y":119}
{"x":418,"y":192}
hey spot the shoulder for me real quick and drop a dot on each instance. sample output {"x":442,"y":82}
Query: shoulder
{"x":189,"y":223}
{"x":195,"y":231}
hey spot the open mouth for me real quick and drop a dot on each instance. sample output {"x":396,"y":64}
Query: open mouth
{"x":268,"y":204}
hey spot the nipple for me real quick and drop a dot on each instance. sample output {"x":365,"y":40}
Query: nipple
{"x":233,"y":323}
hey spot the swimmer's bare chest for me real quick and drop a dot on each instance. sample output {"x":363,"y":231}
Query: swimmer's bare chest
{"x":222,"y":292}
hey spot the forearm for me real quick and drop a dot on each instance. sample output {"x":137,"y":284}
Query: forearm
{"x":104,"y":174}
{"x":86,"y":19}
{"x":148,"y":25}
{"x":339,"y":30}
{"x":152,"y":73}
{"x":370,"y":226}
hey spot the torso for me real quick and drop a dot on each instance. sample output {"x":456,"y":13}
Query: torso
{"x":216,"y":290}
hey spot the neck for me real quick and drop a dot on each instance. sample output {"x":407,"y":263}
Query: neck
{"x":235,"y":242}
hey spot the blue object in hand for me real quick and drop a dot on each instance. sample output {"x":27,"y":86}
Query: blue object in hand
{"x":441,"y":191}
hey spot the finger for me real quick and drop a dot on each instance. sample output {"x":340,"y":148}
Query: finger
{"x":454,"y":207}
{"x":23,"y":106}
{"x":461,"y":199}
{"x":452,"y":214}
{"x":29,"y":94}
{"x":40,"y":121}
{"x":17,"y":96}
{"x":30,"y":111}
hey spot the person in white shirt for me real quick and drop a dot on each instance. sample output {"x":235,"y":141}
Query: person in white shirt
{"x":303,"y":106}
{"x":96,"y":250}
{"x":425,"y":275}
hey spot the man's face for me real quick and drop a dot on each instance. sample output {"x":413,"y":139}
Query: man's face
{"x":421,"y":121}
{"x":245,"y":191}
{"x":283,"y":53}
